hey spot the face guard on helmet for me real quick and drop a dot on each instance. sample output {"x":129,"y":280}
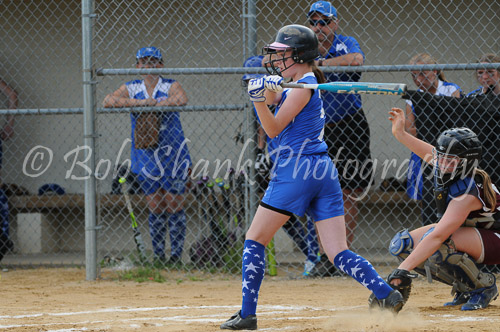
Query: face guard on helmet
{"x":456,"y":155}
{"x":300,"y":40}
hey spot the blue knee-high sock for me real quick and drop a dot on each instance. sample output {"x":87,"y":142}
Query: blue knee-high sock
{"x":254,"y":267}
{"x":295,"y":230}
{"x":312,"y":240}
{"x":4,"y":214}
{"x":177,"y":230}
{"x":363,"y":272}
{"x":158,"y":231}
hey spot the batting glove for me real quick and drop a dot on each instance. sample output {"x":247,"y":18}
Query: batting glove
{"x":273,"y":83}
{"x":256,"y":89}
{"x":261,"y":164}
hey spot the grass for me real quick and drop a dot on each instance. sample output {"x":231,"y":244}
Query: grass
{"x":142,"y":274}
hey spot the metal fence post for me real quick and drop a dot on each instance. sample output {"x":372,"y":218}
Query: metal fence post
{"x":89,"y":140}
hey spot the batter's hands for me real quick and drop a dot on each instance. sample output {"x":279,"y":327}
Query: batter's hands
{"x":256,"y":90}
{"x":273,"y":83}
{"x":397,"y":117}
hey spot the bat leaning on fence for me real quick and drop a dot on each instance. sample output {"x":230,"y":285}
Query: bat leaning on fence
{"x":392,"y":89}
{"x":139,"y":242}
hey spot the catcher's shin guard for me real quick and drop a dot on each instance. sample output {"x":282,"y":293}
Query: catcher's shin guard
{"x":457,"y":269}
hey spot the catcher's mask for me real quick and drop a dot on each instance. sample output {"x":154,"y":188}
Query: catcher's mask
{"x":457,"y":154}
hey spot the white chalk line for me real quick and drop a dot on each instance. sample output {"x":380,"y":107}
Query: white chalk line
{"x":264,"y":310}
{"x":214,"y":318}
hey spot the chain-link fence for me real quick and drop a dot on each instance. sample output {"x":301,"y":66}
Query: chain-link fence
{"x":203,"y":46}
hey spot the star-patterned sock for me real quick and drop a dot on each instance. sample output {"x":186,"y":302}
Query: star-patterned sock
{"x":363,"y":272}
{"x":254,"y":267}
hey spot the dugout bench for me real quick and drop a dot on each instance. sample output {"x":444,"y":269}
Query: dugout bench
{"x":44,"y":223}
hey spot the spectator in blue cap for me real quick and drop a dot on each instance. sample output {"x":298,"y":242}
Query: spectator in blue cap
{"x":159,"y":154}
{"x":346,"y":131}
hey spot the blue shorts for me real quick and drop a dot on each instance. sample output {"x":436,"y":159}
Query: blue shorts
{"x":174,"y":185}
{"x":305,"y":184}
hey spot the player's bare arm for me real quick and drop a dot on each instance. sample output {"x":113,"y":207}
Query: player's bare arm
{"x":349,"y":59}
{"x":419,"y":147}
{"x":121,"y":98}
{"x":292,"y":106}
{"x":457,"y":211}
{"x":176,"y":96}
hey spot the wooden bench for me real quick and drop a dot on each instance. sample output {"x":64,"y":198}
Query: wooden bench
{"x":45,"y":222}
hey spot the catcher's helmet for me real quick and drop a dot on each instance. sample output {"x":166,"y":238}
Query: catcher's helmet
{"x":301,"y":40}
{"x":253,"y":61}
{"x":457,"y":153}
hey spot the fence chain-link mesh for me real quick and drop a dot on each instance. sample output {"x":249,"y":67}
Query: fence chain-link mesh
{"x":200,"y":221}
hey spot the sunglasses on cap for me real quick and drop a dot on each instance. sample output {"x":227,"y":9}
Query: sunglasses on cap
{"x":320,"y":22}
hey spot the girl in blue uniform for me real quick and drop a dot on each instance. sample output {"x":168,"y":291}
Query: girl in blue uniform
{"x":304,"y":178}
{"x":162,"y":166}
{"x":468,"y":230}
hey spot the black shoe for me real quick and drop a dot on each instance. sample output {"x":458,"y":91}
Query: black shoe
{"x":238,"y":323}
{"x":393,"y":302}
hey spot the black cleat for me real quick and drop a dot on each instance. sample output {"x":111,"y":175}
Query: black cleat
{"x":238,"y":323}
{"x":393,"y":302}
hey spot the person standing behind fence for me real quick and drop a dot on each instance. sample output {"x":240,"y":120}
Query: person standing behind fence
{"x":304,"y":179}
{"x":347,"y":132}
{"x":6,"y":243}
{"x":159,"y":153}
{"x":433,"y":82}
{"x":488,"y":78}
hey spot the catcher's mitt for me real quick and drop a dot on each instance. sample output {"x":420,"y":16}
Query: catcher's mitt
{"x":405,"y":286}
{"x":147,"y":129}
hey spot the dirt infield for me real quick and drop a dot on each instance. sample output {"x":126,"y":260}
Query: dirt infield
{"x":61,"y":300}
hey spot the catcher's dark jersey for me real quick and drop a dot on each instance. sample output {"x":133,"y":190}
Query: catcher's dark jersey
{"x":482,"y":218}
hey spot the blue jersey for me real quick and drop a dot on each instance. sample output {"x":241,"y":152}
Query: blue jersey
{"x":304,"y":134}
{"x":338,"y":105}
{"x":171,"y":157}
{"x":272,"y":143}
{"x":304,"y":178}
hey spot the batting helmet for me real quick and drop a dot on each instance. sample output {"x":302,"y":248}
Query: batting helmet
{"x":457,"y":153}
{"x":301,"y":40}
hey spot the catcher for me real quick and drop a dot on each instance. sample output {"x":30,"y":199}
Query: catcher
{"x":468,"y":230}
{"x":159,"y":154}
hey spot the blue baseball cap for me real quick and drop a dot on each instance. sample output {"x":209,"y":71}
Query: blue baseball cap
{"x":253,"y":62}
{"x":150,"y":51}
{"x":324,"y":8}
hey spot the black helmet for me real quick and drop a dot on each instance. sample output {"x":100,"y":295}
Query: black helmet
{"x":301,"y":40}
{"x":460,"y":145}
